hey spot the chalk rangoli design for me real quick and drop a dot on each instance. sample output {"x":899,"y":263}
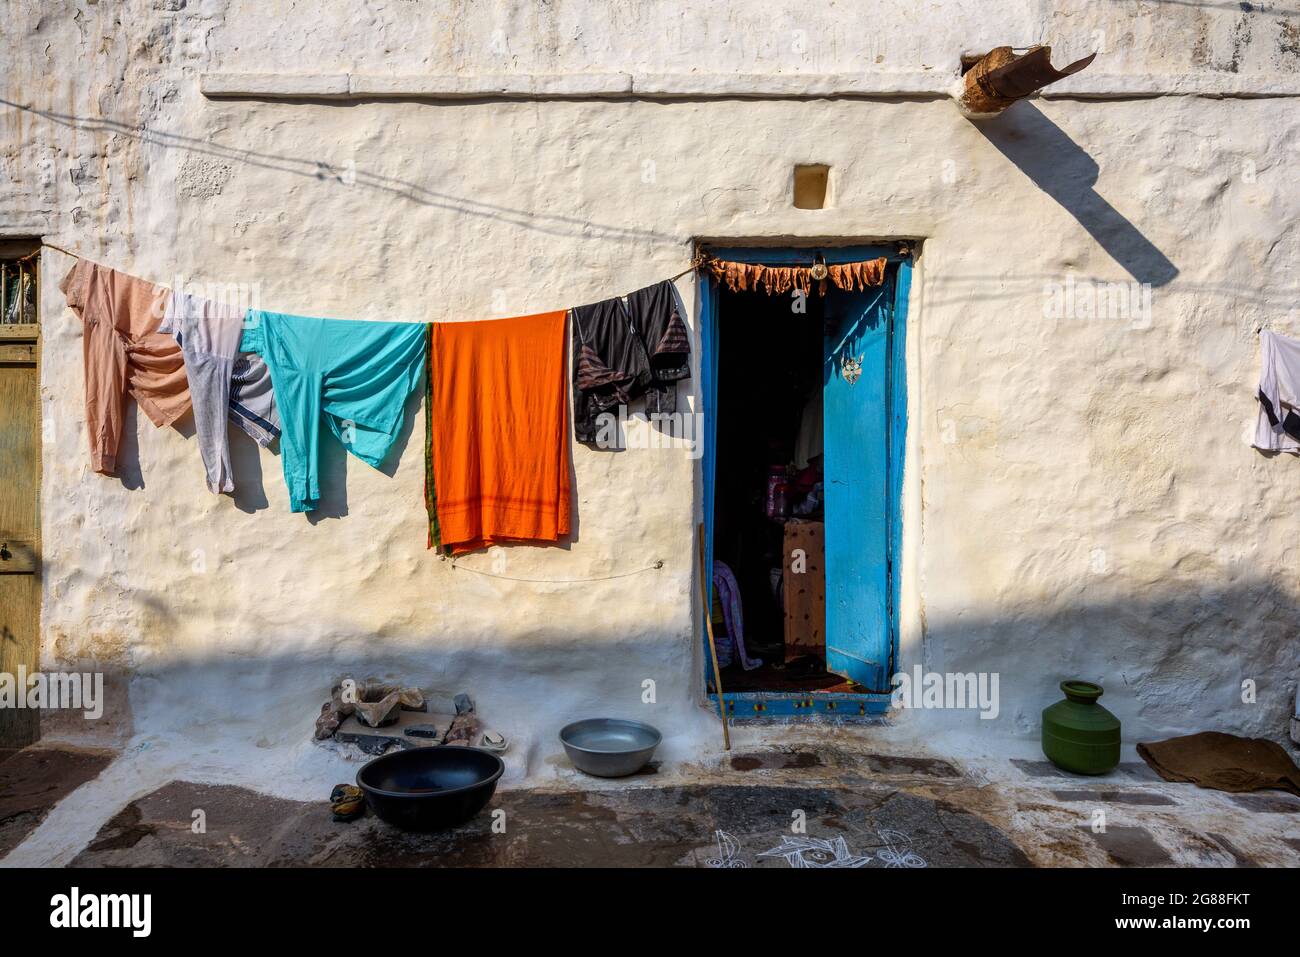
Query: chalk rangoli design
{"x":898,"y":850}
{"x":728,"y":852}
{"x":815,"y":852}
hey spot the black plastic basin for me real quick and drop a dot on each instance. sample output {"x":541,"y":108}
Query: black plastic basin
{"x":427,"y":789}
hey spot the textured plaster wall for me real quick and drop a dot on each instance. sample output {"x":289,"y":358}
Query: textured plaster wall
{"x":1081,"y":500}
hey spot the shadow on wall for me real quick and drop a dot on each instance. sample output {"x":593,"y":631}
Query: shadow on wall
{"x":1064,"y":171}
{"x":1173,"y":660}
{"x":129,"y":471}
{"x":527,"y":690}
{"x":550,"y":224}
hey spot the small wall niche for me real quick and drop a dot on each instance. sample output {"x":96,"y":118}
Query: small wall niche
{"x":810,"y":185}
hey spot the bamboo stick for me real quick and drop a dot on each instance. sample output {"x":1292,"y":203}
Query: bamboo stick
{"x":713,"y":648}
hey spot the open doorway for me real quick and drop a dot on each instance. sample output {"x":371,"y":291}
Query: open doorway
{"x":808,"y":409}
{"x":770,"y":496}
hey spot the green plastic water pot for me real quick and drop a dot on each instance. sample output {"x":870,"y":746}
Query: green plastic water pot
{"x":1080,"y":735}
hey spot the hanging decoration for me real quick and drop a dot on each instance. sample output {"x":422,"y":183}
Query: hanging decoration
{"x":851,"y":368}
{"x":777,"y":280}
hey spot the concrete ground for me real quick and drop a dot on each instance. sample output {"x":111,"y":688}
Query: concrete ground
{"x":804,"y":804}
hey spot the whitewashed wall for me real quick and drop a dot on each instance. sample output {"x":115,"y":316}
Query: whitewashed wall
{"x":1081,"y":500}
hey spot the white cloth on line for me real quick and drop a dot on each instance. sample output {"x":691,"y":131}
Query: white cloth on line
{"x":1278,"y":427}
{"x":208,"y":333}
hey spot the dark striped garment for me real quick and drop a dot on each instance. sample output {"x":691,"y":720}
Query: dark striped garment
{"x":625,"y":349}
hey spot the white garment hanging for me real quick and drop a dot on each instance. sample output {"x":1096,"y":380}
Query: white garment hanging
{"x":1278,"y":427}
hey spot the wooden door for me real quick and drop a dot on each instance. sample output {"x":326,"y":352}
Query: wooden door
{"x":20,"y":472}
{"x":856,"y":423}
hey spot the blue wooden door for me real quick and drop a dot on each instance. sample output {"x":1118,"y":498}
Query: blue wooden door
{"x":859,"y":505}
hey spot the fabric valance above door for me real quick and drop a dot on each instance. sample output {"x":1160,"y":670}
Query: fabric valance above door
{"x":777,"y":280}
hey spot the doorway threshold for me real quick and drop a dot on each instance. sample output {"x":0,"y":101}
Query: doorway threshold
{"x":793,"y":704}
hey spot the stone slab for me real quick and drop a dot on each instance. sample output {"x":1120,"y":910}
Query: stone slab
{"x":1239,"y":856}
{"x":1135,"y":770}
{"x":1130,"y":846}
{"x":378,"y":740}
{"x":35,"y":779}
{"x":1274,"y":802}
{"x":1110,"y":796}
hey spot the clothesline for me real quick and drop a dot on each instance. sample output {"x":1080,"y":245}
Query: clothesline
{"x":737,"y":276}
{"x":45,"y":245}
{"x":497,"y":393}
{"x":696,"y":262}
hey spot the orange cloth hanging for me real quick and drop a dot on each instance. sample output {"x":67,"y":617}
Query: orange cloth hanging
{"x":498,"y":432}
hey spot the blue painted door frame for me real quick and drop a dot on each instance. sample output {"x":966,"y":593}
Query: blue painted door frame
{"x":862,"y":578}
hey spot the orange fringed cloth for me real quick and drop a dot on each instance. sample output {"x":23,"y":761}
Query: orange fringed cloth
{"x":497,"y":442}
{"x":776,"y":280}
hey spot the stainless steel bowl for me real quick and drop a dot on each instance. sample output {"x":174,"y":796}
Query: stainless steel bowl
{"x":609,"y":747}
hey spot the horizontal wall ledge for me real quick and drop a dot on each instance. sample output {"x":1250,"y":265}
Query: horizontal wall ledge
{"x":790,"y":85}
{"x":1112,"y":86}
{"x":275,"y":85}
{"x":528,"y":86}
{"x":693,"y":86}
